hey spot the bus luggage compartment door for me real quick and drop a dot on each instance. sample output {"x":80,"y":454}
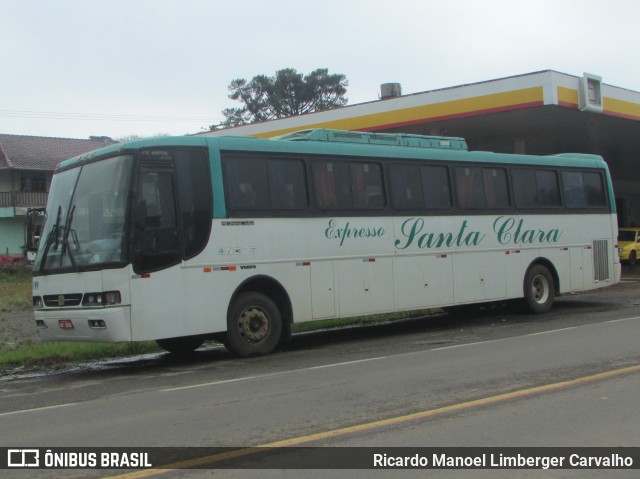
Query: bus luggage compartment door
{"x":323,"y":297}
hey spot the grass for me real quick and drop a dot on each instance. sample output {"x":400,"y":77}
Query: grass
{"x":49,"y":353}
{"x":15,"y":291}
{"x":15,"y":296}
{"x":46,"y":354}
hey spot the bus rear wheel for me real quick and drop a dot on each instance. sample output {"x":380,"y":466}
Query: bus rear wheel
{"x":254,"y":325}
{"x":539,"y":289}
{"x":184,"y":345}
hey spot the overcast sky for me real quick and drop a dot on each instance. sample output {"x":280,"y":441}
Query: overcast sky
{"x":75,"y":68}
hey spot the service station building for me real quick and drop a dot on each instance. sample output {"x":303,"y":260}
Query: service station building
{"x":540,"y":113}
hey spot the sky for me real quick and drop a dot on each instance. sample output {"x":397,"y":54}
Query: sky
{"x":117,"y":68}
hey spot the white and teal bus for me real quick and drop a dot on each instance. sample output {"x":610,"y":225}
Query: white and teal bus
{"x":185,"y":239}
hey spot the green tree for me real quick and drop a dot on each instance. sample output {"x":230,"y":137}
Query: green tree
{"x":286,"y":94}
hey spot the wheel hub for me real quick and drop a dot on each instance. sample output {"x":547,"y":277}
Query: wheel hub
{"x":540,"y":288}
{"x":254,"y":324}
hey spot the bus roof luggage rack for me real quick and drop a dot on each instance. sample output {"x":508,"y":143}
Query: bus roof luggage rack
{"x":386,"y":139}
{"x":583,"y":156}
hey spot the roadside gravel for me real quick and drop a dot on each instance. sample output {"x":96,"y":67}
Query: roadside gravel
{"x":17,"y":328}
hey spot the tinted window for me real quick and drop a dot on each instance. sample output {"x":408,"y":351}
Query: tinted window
{"x":287,"y":184}
{"x":366,"y":185}
{"x":435,"y":187}
{"x":265,"y":184}
{"x":469,"y":187}
{"x":495,"y":187}
{"x":547,"y":188}
{"x":583,"y":189}
{"x":173,"y":208}
{"x":535,"y":188}
{"x":331,"y":184}
{"x":406,"y":187}
{"x":345,"y":185}
{"x":246,"y":183}
{"x":418,"y":187}
{"x":482,"y":187}
{"x":157,"y":238}
{"x":594,"y":189}
{"x":196,"y":205}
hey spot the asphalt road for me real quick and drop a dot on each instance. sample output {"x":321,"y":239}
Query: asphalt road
{"x":491,"y":377}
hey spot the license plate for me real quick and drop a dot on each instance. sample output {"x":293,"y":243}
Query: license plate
{"x":65,"y":324}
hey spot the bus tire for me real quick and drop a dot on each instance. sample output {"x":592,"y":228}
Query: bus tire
{"x":632,"y":258}
{"x":539,"y":289}
{"x":254,"y":325}
{"x":184,"y":345}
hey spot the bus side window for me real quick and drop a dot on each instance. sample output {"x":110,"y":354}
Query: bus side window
{"x":418,"y":187}
{"x":469,"y":187}
{"x":287,"y":184}
{"x":435,"y":184}
{"x":535,"y":188}
{"x":332,"y":184}
{"x":583,"y":189}
{"x":406,"y":188}
{"x":366,"y":185}
{"x":246,"y":183}
{"x":495,"y":187}
{"x":573,"y":189}
{"x":596,"y":196}
{"x":548,"y":193}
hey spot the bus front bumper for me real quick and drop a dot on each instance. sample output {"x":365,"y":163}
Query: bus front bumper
{"x":104,"y":325}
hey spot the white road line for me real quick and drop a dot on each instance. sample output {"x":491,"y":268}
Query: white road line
{"x":347,"y":363}
{"x":37,"y":409}
{"x":550,"y":331}
{"x":632,"y":318}
{"x":477,"y":343}
{"x":333,"y":365}
{"x":281,"y":373}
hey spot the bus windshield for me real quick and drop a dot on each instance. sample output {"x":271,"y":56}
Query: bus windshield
{"x":87,"y":211}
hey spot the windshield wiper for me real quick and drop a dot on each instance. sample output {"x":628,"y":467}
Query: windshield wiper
{"x":65,"y":240}
{"x":53,"y":234}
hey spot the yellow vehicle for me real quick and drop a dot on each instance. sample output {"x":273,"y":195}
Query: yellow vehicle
{"x":629,"y":244}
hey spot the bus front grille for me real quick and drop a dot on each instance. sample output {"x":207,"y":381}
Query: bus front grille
{"x":62,"y":300}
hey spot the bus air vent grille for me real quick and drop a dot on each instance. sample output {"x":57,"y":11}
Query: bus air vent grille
{"x":601,"y":260}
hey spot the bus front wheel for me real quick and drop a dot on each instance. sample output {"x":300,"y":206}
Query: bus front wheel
{"x":254,"y":325}
{"x":539,"y":289}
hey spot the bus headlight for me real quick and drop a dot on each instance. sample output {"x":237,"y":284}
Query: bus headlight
{"x":112,"y":297}
{"x":108,"y":298}
{"x":37,"y":302}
